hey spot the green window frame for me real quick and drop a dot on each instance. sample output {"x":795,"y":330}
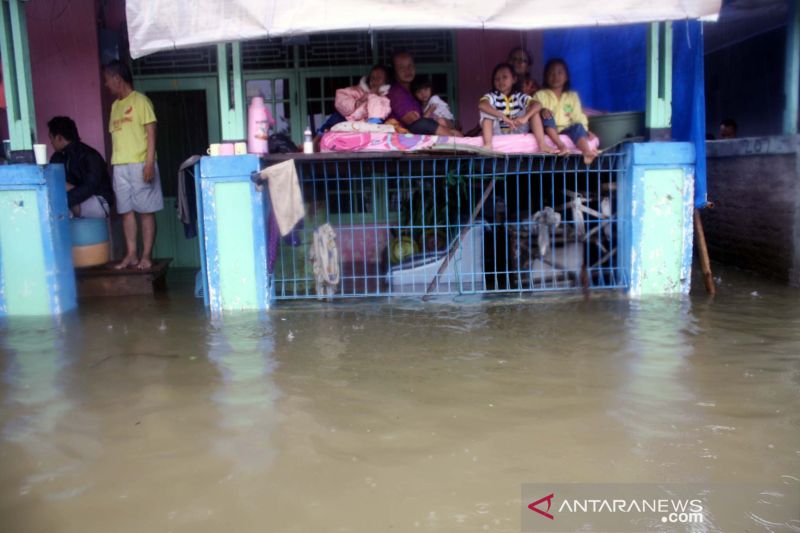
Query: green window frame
{"x":303,"y":63}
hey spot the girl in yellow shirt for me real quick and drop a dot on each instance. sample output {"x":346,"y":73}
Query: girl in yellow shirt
{"x":562,"y":112}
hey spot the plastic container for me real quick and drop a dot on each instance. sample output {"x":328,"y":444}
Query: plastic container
{"x":91,"y":245}
{"x":259,"y":119}
{"x":464,"y":272}
{"x":308,"y":142}
{"x":613,"y":128}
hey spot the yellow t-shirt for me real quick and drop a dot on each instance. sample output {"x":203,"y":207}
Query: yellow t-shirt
{"x":566,"y":110}
{"x":127,"y":127}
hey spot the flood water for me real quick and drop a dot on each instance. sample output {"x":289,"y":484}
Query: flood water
{"x":143,"y":415}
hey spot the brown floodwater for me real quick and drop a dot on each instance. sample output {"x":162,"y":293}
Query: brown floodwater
{"x":145,"y":415}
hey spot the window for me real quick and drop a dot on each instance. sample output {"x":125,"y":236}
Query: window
{"x":189,"y":61}
{"x":298,"y":76}
{"x":276,"y":93}
{"x":322,"y":63}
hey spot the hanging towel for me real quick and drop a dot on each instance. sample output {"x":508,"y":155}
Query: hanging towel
{"x":187,"y":206}
{"x":544,"y":220}
{"x":285,"y":195}
{"x":324,"y":256}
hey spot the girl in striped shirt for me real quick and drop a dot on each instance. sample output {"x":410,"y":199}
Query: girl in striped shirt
{"x":504,"y":110}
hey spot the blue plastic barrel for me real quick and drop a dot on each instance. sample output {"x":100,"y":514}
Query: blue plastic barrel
{"x":86,"y":231}
{"x":90,"y":241}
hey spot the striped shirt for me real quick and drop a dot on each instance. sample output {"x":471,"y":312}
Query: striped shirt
{"x":511,"y":105}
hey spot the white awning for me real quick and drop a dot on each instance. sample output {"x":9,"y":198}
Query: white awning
{"x":155,"y":25}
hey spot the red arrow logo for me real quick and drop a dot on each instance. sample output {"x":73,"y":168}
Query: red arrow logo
{"x":533,"y":507}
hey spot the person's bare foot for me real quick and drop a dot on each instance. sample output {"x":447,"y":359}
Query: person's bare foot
{"x":547,"y":149}
{"x":129,"y":261}
{"x":589,"y":157}
{"x":145,"y":263}
{"x":563,"y":150}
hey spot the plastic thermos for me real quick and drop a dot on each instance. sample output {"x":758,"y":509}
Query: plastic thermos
{"x":258,"y":121}
{"x":308,"y":142}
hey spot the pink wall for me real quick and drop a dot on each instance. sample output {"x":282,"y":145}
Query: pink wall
{"x":113,"y":19}
{"x":478,"y":52}
{"x":65,"y":66}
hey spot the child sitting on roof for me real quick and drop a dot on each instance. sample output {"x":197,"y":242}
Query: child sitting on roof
{"x":562,"y":112}
{"x":367,"y":100}
{"x":504,"y":110}
{"x":432,"y":106}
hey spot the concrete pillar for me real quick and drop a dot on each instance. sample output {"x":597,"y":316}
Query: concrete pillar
{"x":231,"y":220}
{"x":232,"y":112}
{"x":17,"y":75}
{"x":658,"y":112}
{"x":658,"y":195}
{"x":36,"y":272}
{"x":791,"y":84}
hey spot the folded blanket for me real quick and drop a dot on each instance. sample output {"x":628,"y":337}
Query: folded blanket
{"x":363,"y":126}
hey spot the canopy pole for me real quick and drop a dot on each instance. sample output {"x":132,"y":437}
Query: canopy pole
{"x":231,"y":116}
{"x":17,"y":75}
{"x":791,"y":82}
{"x":658,"y":113}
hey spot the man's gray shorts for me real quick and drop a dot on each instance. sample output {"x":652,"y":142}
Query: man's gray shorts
{"x":131,"y":191}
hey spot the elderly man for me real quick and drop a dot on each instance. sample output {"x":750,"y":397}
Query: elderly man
{"x":88,"y":184}
{"x":137,"y":185}
{"x":405,"y":108}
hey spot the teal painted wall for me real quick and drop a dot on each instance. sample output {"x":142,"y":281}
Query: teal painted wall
{"x":235,"y":244}
{"x":171,"y":240}
{"x":660,"y":252}
{"x":659,"y":192}
{"x":233,"y":234}
{"x":36,"y":273}
{"x":22,"y":254}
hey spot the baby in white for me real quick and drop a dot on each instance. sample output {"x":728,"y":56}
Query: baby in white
{"x":432,"y":106}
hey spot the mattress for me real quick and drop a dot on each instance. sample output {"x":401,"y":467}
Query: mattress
{"x":408,"y":142}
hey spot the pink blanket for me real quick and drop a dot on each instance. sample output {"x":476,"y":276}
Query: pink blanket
{"x":407,"y":142}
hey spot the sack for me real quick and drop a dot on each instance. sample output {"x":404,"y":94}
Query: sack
{"x":280,"y":143}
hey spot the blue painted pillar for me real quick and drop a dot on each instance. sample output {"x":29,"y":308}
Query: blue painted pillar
{"x":658,"y":196}
{"x":232,"y":231}
{"x":36,"y":273}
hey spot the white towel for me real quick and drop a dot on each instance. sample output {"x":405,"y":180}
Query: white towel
{"x":285,"y":195}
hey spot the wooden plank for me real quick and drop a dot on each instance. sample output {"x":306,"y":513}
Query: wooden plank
{"x":105,"y":280}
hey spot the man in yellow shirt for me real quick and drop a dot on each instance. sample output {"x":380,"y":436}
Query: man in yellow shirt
{"x":137,"y":185}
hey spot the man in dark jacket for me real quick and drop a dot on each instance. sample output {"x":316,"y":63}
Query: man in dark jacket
{"x":89,"y":193}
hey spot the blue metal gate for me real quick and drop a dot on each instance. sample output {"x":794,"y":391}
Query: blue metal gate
{"x":413,"y":224}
